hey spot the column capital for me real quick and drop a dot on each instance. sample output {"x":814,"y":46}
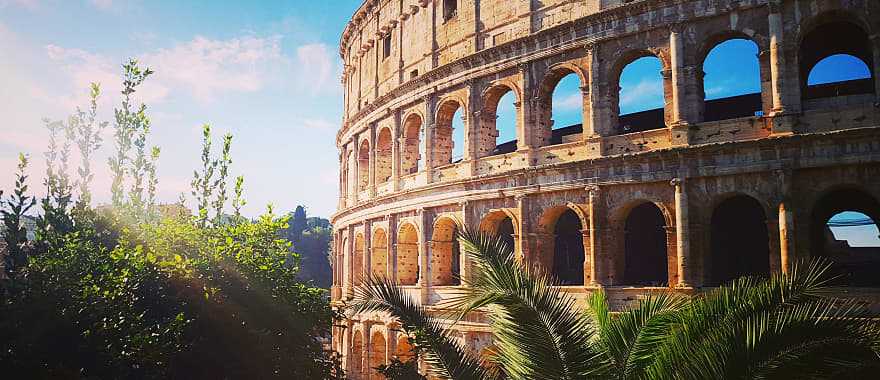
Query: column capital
{"x":592,"y":189}
{"x":676,"y":182}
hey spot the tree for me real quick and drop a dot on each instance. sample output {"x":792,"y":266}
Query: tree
{"x":13,"y":213}
{"x":781,"y":327}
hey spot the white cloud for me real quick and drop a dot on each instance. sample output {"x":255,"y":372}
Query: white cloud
{"x":206,"y":68}
{"x":648,"y":90}
{"x":572,"y":101}
{"x":102,"y":4}
{"x":30,"y":5}
{"x":317,"y":68}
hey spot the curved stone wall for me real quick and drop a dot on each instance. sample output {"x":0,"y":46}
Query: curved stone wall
{"x":632,"y":204}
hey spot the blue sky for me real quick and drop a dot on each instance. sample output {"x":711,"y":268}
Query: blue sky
{"x":267,"y":71}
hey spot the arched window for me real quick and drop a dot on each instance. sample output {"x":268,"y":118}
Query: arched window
{"x":410,"y":157}
{"x":499,"y":223}
{"x":383,"y":155}
{"x":379,"y":253}
{"x":407,"y":255}
{"x":835,"y":60}
{"x":363,"y":166}
{"x":640,"y":102}
{"x":449,"y":136}
{"x":843,"y":228}
{"x":562,"y":108}
{"x":732,"y":81}
{"x":568,"y":249}
{"x":355,"y":365}
{"x":445,"y":254}
{"x":498,"y":122}
{"x":377,"y":355}
{"x":645,"y":244}
{"x":740,"y":240}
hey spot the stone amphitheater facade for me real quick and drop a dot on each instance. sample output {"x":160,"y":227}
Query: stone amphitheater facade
{"x":688,"y":201}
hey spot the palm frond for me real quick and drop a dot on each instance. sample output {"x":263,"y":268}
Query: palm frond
{"x":446,"y":357}
{"x":539,"y":334}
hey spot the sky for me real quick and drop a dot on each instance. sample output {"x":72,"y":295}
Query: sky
{"x":266,"y":71}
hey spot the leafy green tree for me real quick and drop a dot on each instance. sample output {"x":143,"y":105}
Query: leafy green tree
{"x":13,"y":212}
{"x":87,"y":130}
{"x":782,"y":327}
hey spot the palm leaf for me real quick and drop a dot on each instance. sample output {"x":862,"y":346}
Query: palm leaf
{"x":446,"y":358}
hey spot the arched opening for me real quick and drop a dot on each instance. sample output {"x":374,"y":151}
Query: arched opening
{"x":645,"y":247}
{"x":449,"y":136}
{"x":848,"y":50}
{"x":383,"y":155}
{"x":343,"y":178}
{"x":379,"y":253}
{"x":740,"y":240}
{"x":410,"y":157}
{"x":498,"y":122}
{"x":404,"y":351}
{"x":732,"y":81}
{"x":568,"y":249}
{"x":500,"y":224}
{"x":356,"y":361}
{"x":377,"y":356}
{"x":363,"y":165}
{"x":358,"y":260}
{"x":640,"y":101}
{"x":852,"y":214}
{"x":562,"y":107}
{"x":407,"y":255}
{"x":445,"y":253}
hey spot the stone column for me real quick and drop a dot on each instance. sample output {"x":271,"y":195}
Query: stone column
{"x":368,"y":250}
{"x":525,"y":110}
{"x":348,"y":270}
{"x":786,"y":235}
{"x":353,"y":180}
{"x":599,"y":263}
{"x":345,"y":350}
{"x":429,"y":128}
{"x":391,"y":249}
{"x":469,"y":221}
{"x":424,"y":281}
{"x":685,"y":274}
{"x":371,"y":138}
{"x":395,"y":151}
{"x":522,"y":210}
{"x":777,"y":57}
{"x":676,"y":53}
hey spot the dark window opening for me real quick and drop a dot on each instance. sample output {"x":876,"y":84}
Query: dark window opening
{"x":386,"y":46}
{"x":740,"y":241}
{"x":450,"y":9}
{"x":505,"y":232}
{"x":843,"y":229}
{"x":413,"y":74}
{"x":645,"y":247}
{"x":568,"y":254}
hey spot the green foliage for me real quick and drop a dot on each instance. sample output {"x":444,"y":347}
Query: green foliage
{"x":142,"y":291}
{"x":13,"y":212}
{"x":311,"y":239}
{"x":782,"y":327}
{"x":399,"y":370}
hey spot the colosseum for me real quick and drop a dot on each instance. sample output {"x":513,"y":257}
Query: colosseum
{"x":677,"y":198}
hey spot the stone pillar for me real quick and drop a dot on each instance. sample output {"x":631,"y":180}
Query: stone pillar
{"x":522,"y":211}
{"x":676,"y":53}
{"x":470,"y":221}
{"x":353,"y":180}
{"x":875,"y":47}
{"x":345,"y":350}
{"x":598,"y":260}
{"x":429,"y":128}
{"x":348,"y":270}
{"x":371,"y":139}
{"x":368,"y":250}
{"x":391,"y":250}
{"x":396,"y":145}
{"x":525,"y":110}
{"x":685,"y":268}
{"x":424,"y":281}
{"x":777,"y":57}
{"x":786,"y":235}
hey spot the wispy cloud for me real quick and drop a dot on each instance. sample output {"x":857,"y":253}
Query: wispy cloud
{"x":645,"y":94}
{"x":30,"y":5}
{"x":571,"y":101}
{"x":102,"y":4}
{"x":317,"y":68}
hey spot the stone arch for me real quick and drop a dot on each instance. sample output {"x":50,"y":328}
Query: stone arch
{"x":379,"y":253}
{"x":638,"y":121}
{"x":545,"y":135}
{"x":377,"y":355}
{"x":647,"y":253}
{"x":443,"y":144}
{"x":363,"y":160}
{"x":356,"y":361}
{"x":384,"y":142}
{"x":502,"y":223}
{"x":739,"y":239}
{"x":742,"y":105}
{"x":407,"y":254}
{"x":830,"y":33}
{"x":358,"y":259}
{"x":410,"y":153}
{"x":852,"y":267}
{"x":445,"y":253}
{"x":564,"y":254}
{"x":487,"y":142}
